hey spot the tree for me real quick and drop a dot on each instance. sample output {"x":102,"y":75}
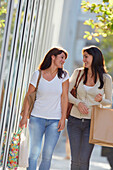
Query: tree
{"x":2,"y":21}
{"x":3,"y":12}
{"x":103,"y":24}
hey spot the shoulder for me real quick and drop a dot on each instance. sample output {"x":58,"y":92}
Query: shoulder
{"x":107,"y":80}
{"x":76,"y":71}
{"x":36,"y":73}
{"x":65,"y":75}
{"x":107,"y":77}
{"x":34,"y":78}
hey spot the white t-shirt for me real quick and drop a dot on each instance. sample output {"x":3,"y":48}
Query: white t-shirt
{"x":48,"y":97}
{"x":88,"y":87}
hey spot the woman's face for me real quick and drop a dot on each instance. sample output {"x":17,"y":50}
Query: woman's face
{"x":60,"y":60}
{"x":87,"y":59}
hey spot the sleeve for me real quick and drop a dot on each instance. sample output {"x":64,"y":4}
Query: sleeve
{"x":72,"y":80}
{"x":107,"y":99}
{"x":66,"y":77}
{"x":34,"y":78}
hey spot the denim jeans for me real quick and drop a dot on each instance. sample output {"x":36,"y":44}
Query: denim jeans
{"x":37,"y":128}
{"x":78,"y":131}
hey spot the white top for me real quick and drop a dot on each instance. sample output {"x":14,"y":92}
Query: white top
{"x":48,"y":98}
{"x":88,"y":87}
{"x":88,"y":97}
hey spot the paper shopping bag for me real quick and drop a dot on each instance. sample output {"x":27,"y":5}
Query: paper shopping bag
{"x":101,"y":129}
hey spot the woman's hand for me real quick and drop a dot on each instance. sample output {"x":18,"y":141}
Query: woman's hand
{"x":23,"y":122}
{"x":61,"y":124}
{"x":98,"y":98}
{"x":82,"y":108}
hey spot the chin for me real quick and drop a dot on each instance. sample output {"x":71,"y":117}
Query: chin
{"x":60,"y":67}
{"x":86,"y":66}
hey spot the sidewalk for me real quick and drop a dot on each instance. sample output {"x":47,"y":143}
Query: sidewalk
{"x":60,"y":163}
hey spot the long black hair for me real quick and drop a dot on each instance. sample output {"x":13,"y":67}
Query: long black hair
{"x":47,"y":61}
{"x":98,"y":64}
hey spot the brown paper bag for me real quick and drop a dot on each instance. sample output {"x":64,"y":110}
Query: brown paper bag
{"x":101,"y":129}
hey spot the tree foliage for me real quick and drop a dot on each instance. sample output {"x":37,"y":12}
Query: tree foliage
{"x":2,"y":21}
{"x":3,"y":12}
{"x":102,"y":25}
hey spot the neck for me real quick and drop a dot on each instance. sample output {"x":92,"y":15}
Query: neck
{"x":89,"y":72}
{"x":52,"y":70}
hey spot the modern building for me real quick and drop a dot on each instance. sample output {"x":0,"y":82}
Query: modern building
{"x":32,"y":27}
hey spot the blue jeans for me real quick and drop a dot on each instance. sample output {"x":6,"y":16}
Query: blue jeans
{"x":37,"y":128}
{"x":78,"y":131}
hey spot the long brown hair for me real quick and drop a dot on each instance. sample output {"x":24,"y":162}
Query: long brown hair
{"x":98,"y":64}
{"x":47,"y":61}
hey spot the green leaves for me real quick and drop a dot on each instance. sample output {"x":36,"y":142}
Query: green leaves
{"x":105,"y":1}
{"x":2,"y":11}
{"x":103,"y":23}
{"x":2,"y":23}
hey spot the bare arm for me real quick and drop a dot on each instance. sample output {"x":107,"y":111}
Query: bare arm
{"x":64,"y":104}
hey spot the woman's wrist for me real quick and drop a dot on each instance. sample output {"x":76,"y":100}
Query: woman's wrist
{"x":63,"y":117}
{"x":24,"y":117}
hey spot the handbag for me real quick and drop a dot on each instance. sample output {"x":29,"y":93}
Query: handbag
{"x":12,"y":162}
{"x":74,"y":93}
{"x":31,"y":99}
{"x":101,"y":128}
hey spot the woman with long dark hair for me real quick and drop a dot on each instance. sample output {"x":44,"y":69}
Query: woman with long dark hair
{"x":49,"y":111}
{"x":94,"y":89}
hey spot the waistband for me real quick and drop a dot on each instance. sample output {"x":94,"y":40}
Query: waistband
{"x":82,"y":119}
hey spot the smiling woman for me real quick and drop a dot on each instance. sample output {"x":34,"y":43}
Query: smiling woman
{"x":94,"y":89}
{"x":49,"y":111}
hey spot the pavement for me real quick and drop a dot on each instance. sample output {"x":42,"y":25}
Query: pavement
{"x":59,"y":161}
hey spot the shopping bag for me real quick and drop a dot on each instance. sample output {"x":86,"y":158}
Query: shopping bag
{"x":31,"y":99}
{"x":101,"y":129}
{"x":23,"y":152}
{"x":12,"y":162}
{"x":2,"y":151}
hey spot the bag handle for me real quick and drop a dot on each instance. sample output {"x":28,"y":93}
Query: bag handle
{"x":80,"y":79}
{"x":38,"y":80}
{"x":77,"y":79}
{"x":77,"y":82}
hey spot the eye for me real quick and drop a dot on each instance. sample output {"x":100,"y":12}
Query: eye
{"x":85,"y":56}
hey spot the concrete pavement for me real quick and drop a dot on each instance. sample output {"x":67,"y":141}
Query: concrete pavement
{"x":60,"y":163}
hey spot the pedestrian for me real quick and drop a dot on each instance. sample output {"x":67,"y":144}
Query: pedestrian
{"x":49,"y":111}
{"x":94,"y":89}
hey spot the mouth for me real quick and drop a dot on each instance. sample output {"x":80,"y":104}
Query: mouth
{"x":85,"y":63}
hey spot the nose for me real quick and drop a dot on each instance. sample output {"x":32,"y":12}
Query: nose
{"x":83,"y":59}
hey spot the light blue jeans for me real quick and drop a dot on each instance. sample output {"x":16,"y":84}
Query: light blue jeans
{"x":37,"y":128}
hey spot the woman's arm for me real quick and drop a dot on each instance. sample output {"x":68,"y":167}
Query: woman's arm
{"x":107,"y":99}
{"x":64,"y":104}
{"x":26,"y":107}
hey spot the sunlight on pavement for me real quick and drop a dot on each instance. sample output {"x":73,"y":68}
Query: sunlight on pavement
{"x":101,"y":165}
{"x":57,"y":157}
